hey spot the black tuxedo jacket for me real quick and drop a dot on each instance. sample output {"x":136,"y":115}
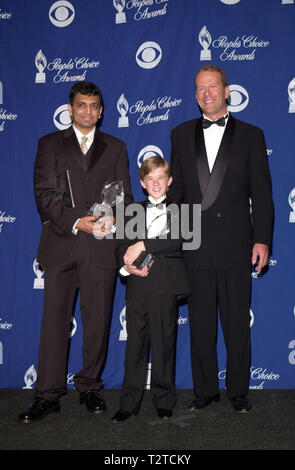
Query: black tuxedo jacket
{"x":107,"y":162}
{"x":167,"y":275}
{"x":240,"y":177}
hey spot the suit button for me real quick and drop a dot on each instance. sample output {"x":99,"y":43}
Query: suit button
{"x":218,"y":215}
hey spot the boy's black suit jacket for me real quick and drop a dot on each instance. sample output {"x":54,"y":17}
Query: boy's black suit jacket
{"x":167,"y":275}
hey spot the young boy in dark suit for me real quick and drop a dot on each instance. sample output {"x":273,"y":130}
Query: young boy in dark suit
{"x":151,"y":298}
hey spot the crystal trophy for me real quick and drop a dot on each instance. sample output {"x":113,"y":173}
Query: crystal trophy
{"x":112,"y":195}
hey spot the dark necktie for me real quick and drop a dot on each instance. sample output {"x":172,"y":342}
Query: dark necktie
{"x":220,"y":122}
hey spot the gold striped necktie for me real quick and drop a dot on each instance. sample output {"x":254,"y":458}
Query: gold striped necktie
{"x":83,"y":144}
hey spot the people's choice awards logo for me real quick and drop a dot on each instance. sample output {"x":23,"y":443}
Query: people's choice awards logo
{"x":291,"y":94}
{"x":240,"y":48}
{"x":291,"y":200}
{"x":122,"y":107}
{"x":40,"y":62}
{"x":142,"y":9}
{"x":120,"y":15}
{"x":239,"y":98}
{"x":61,"y":13}
{"x":205,"y":41}
{"x":148,"y":55}
{"x":62,"y":119}
{"x":257,"y":374}
{"x":63,"y":70}
{"x":155,"y":111}
{"x":147,"y":152}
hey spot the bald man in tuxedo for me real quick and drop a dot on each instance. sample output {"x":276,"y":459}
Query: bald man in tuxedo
{"x":221,"y":163}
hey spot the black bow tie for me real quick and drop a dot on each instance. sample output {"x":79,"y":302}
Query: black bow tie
{"x":158,"y":206}
{"x":220,"y":122}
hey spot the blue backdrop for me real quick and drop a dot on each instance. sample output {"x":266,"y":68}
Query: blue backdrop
{"x":143,"y":54}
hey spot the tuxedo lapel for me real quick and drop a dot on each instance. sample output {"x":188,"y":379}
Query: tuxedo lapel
{"x":220,"y":166}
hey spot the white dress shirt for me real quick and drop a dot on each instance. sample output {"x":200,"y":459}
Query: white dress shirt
{"x":90,"y":136}
{"x":155,"y":222}
{"x":89,"y":142}
{"x":213,"y":136}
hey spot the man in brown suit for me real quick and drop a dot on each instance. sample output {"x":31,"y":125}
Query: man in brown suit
{"x":69,"y":253}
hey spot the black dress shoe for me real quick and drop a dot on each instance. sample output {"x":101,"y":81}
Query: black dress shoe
{"x":38,"y":409}
{"x":121,"y":415}
{"x":93,"y":400}
{"x":241,"y":404}
{"x":164,"y":414}
{"x":200,"y":402}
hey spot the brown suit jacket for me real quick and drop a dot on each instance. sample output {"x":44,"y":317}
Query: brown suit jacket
{"x":57,"y":153}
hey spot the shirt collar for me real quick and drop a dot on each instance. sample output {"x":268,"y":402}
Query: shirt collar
{"x":156,"y":201}
{"x":226,"y":116}
{"x":79,"y":134}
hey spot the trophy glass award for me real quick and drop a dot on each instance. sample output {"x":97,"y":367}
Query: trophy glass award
{"x":112,"y":195}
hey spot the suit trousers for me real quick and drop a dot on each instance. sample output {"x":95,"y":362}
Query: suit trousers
{"x":151,"y":322}
{"x":96,"y":297}
{"x":229,"y":290}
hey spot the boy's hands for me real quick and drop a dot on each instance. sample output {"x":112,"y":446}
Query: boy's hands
{"x":137,"y":272}
{"x":133,"y":252}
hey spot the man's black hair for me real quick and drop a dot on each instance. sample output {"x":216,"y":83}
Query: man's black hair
{"x":85,"y":88}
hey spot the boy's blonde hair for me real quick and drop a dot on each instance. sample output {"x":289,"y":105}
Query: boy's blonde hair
{"x":151,"y":164}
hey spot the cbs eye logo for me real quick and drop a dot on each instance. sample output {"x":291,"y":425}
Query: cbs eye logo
{"x":239,"y":98}
{"x":148,"y":55}
{"x":148,"y":151}
{"x":61,"y":13}
{"x":62,"y":119}
{"x":230,"y":2}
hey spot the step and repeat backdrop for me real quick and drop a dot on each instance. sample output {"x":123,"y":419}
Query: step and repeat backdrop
{"x":143,"y":54}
